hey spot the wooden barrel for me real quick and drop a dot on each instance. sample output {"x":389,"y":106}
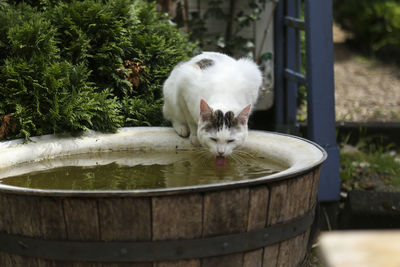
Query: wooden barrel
{"x":261,"y":222}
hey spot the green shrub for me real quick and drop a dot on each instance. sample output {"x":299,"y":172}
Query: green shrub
{"x":78,"y":65}
{"x":375,"y":24}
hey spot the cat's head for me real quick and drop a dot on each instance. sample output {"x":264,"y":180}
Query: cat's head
{"x":221,"y":132}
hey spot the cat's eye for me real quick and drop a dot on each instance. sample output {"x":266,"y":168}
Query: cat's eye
{"x":230,"y":141}
{"x":214,"y":139}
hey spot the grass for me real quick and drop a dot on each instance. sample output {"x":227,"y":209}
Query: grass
{"x":370,"y":167}
{"x":314,"y":259}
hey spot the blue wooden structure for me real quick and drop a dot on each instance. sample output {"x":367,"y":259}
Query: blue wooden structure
{"x":318,"y":80}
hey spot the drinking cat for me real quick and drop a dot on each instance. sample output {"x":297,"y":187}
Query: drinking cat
{"x":209,"y":99}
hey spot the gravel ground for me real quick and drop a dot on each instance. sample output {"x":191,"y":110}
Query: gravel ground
{"x":366,"y":90}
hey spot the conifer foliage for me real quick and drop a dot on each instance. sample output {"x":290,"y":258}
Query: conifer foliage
{"x":69,"y":66}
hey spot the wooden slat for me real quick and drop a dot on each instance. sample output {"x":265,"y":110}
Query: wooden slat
{"x":304,"y":242}
{"x":231,"y":260}
{"x":291,"y":252}
{"x":4,"y":215}
{"x":288,"y":200}
{"x":276,"y":214}
{"x":138,"y":264}
{"x":299,"y":192}
{"x":77,"y":264}
{"x":24,"y":216}
{"x":182,"y":263}
{"x":270,"y":256}
{"x":73,"y":264}
{"x":34,"y":217}
{"x":225,"y":212}
{"x":284,"y":254}
{"x":294,"y":198}
{"x":315,"y":185}
{"x":298,"y":250}
{"x":258,"y":205}
{"x":4,"y":259}
{"x":177,"y":217}
{"x":93,"y":264}
{"x":309,"y":183}
{"x":277,"y":204}
{"x":81,"y":218}
{"x":47,"y":263}
{"x":53,"y":222}
{"x":123,"y":219}
{"x":253,"y":258}
{"x":25,"y":220}
{"x":17,"y":260}
{"x":288,"y":212}
{"x":5,"y":224}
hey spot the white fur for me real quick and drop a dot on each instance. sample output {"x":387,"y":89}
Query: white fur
{"x":227,"y":85}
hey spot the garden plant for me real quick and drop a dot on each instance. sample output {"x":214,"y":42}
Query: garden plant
{"x":70,"y":66}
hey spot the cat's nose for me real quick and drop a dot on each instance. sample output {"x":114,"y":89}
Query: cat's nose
{"x":221,"y":153}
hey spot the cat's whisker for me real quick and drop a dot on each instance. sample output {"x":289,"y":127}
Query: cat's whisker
{"x":199,"y":150}
{"x":244,"y":156}
{"x":237,"y":158}
{"x":203,"y":156}
{"x":242,"y":160}
{"x":231,"y":156}
{"x":244,"y":153}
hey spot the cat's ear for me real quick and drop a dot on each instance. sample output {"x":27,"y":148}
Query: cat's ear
{"x":205,"y":110}
{"x":244,"y":115}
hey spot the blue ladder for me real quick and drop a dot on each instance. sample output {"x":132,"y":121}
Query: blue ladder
{"x":318,"y":80}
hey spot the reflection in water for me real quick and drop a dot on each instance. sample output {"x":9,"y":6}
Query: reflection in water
{"x":138,"y":170}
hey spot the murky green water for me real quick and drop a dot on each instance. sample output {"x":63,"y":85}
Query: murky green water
{"x":136,"y":170}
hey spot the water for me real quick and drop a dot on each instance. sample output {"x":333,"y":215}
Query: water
{"x":136,"y":170}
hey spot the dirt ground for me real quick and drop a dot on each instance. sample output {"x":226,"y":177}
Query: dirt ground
{"x":366,"y":89}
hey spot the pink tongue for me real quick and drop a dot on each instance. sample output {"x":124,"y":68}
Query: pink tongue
{"x":220,"y":161}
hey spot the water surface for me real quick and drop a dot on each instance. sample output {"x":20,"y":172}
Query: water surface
{"x":137,"y":170}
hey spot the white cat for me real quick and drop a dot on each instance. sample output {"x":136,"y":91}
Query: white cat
{"x":209,"y":98}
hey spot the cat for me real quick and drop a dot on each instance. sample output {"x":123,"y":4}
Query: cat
{"x":209,"y":99}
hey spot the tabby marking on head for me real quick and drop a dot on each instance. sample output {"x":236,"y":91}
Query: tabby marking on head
{"x":218,"y":120}
{"x":205,"y":63}
{"x":230,"y":120}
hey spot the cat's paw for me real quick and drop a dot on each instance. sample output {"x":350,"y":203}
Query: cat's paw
{"x":181,"y":129}
{"x":194,"y":140}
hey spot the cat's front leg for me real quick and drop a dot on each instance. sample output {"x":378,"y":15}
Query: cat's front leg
{"x":193,"y":135}
{"x":181,"y":129}
{"x":194,"y":140}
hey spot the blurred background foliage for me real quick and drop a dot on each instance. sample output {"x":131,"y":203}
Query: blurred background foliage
{"x":373,"y":24}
